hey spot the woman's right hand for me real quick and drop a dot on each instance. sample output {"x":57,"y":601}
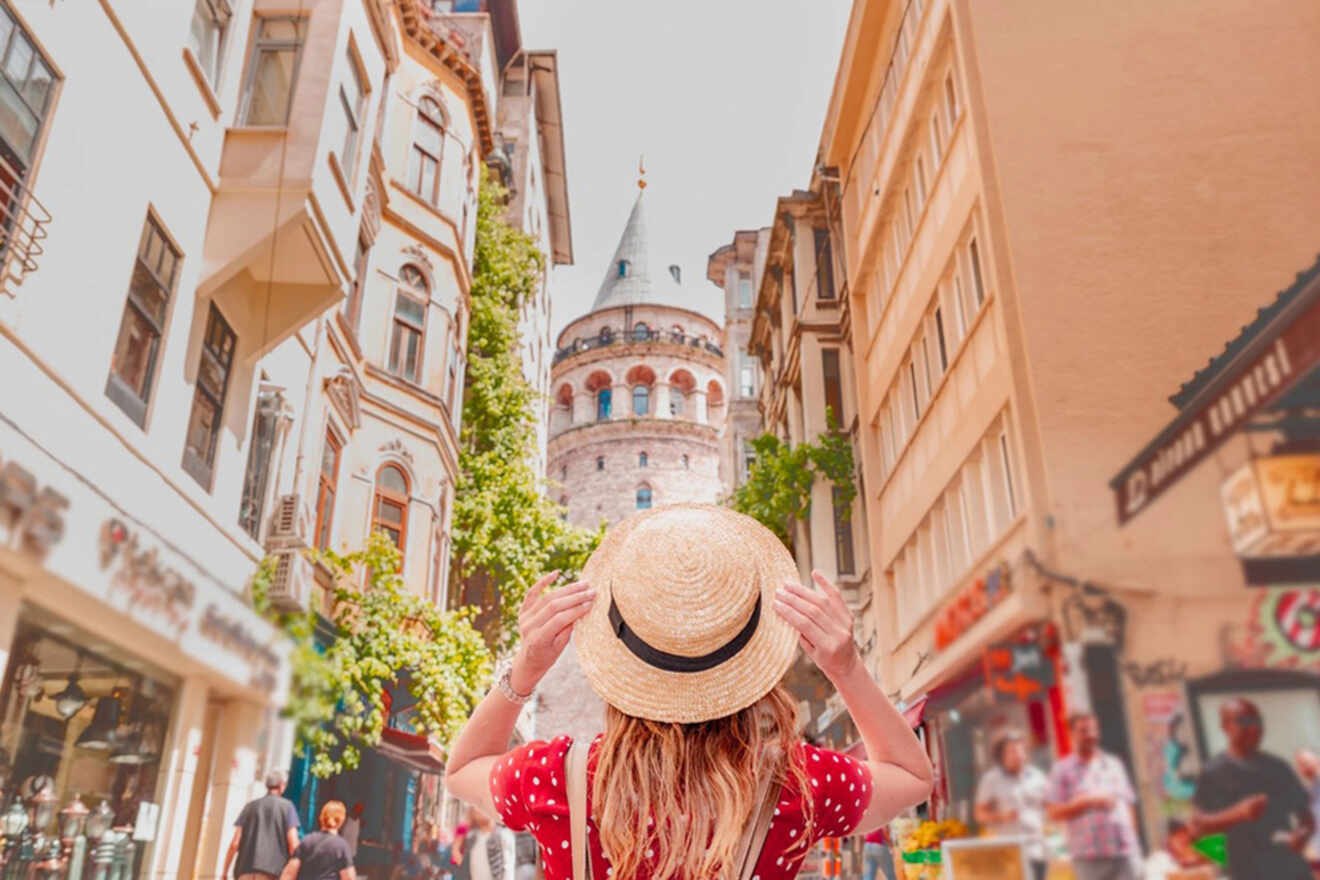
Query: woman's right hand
{"x":545,"y":623}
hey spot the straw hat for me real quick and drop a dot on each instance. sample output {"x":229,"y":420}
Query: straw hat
{"x":683,"y":628}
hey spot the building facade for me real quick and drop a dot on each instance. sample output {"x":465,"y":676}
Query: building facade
{"x":1026,"y":225}
{"x":639,"y":403}
{"x":733,"y":268}
{"x":271,"y":287}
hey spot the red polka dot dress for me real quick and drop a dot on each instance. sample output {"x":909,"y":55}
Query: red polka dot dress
{"x":531,"y":794}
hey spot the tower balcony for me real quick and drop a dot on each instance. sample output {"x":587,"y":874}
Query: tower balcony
{"x":619,"y":337}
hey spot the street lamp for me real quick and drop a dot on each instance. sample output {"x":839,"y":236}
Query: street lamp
{"x":73,"y":819}
{"x":43,"y":808}
{"x":100,"y":820}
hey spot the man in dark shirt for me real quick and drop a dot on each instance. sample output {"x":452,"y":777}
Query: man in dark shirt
{"x":265,"y":833}
{"x":1256,"y":800}
{"x":323,"y":855}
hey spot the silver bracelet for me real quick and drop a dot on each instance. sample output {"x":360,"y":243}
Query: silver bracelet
{"x":505,"y":686}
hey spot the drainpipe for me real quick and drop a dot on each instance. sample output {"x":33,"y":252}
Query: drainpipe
{"x":312,"y":370}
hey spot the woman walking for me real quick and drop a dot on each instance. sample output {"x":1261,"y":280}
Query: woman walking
{"x":323,"y":854}
{"x":686,"y":620}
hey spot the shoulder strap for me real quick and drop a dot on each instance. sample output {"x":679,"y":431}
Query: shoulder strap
{"x":758,"y":827}
{"x":575,"y":777}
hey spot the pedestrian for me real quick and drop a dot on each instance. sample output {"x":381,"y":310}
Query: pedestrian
{"x":685,"y":622}
{"x":1308,"y":768}
{"x":1256,"y":800}
{"x":265,"y":834}
{"x":876,"y":855}
{"x":1090,"y":791}
{"x":492,"y":854}
{"x":1010,"y":798}
{"x":459,"y":868}
{"x":323,"y":854}
{"x":1177,"y":857}
{"x":352,"y":828}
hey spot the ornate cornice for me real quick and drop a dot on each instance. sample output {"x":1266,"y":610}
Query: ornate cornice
{"x":446,"y":46}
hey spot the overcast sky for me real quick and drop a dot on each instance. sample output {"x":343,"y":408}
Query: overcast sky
{"x":724,"y":97}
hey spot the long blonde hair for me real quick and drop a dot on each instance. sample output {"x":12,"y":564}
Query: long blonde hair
{"x":697,"y":781}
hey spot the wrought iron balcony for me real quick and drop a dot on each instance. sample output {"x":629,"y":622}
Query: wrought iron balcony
{"x":611,"y":336}
{"x":23,"y":222}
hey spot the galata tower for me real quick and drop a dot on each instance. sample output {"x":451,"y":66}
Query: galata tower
{"x":639,"y":396}
{"x":639,"y":403}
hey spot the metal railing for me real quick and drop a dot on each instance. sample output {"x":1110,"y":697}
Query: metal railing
{"x":23,"y":221}
{"x":611,"y":336}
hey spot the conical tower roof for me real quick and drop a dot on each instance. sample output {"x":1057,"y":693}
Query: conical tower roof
{"x":635,"y":277}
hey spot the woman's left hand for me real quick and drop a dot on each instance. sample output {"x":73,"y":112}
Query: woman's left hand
{"x":823,"y":622}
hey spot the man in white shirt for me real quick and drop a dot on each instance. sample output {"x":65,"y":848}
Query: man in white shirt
{"x":1010,"y":799}
{"x":489,"y":848}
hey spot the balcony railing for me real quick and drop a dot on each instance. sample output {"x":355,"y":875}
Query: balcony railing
{"x":23,"y":222}
{"x":632,"y":337}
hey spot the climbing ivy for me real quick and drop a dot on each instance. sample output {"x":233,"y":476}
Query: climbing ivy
{"x":506,"y":533}
{"x":381,"y":633}
{"x":778,"y":485}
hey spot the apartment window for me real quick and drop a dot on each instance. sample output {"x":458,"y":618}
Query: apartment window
{"x":409,"y":324}
{"x":951,"y":107}
{"x":960,"y":299}
{"x":843,"y":536}
{"x":829,"y":366}
{"x":792,"y":291}
{"x":273,"y":70}
{"x":600,"y":462}
{"x":133,"y":364}
{"x":748,"y":457}
{"x":352,"y":101}
{"x":644,"y":498}
{"x":919,"y":178}
{"x":912,"y":386}
{"x":744,"y":291}
{"x":676,"y":402}
{"x":641,"y":332}
{"x":454,"y":380}
{"x":909,"y":214}
{"x":353,"y":308}
{"x":603,"y":398}
{"x":641,"y":400}
{"x":824,"y":264}
{"x":427,"y":150}
{"x":939,"y":335}
{"x":207,"y":35}
{"x":929,"y":385}
{"x":256,"y":476}
{"x":685,"y":462}
{"x":208,"y":405}
{"x":641,"y":459}
{"x":25,"y":87}
{"x":389,"y":512}
{"x":978,"y":283}
{"x":327,"y":484}
{"x":936,"y":140}
{"x":1006,"y":461}
{"x":747,"y":380}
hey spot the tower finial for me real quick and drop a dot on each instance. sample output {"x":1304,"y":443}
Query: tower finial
{"x":641,"y":171}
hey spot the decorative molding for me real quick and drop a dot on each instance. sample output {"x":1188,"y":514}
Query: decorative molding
{"x":346,"y":396}
{"x":371,"y":210}
{"x":416,"y":254}
{"x":396,"y":447}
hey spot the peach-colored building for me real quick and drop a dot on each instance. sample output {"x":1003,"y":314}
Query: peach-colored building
{"x":1052,"y":216}
{"x":233,"y":322}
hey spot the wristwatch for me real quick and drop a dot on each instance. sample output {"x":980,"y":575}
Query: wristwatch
{"x":504,"y":684}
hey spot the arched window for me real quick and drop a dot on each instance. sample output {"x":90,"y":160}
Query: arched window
{"x":641,"y":332}
{"x":606,"y":335}
{"x":641,"y":400}
{"x":641,"y":459}
{"x":389,"y":512}
{"x":644,"y":498}
{"x":600,"y":462}
{"x":685,"y":461}
{"x":603,"y":404}
{"x":676,"y":401}
{"x":428,"y":150}
{"x":409,"y":324}
{"x":623,"y":268}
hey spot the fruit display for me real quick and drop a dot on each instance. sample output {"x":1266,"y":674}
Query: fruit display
{"x":921,"y":848}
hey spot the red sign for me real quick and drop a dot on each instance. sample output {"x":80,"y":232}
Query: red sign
{"x":971,"y":604}
{"x":1256,"y":379}
{"x":1019,"y":671}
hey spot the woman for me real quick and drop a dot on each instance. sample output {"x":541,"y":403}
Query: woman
{"x":323,"y":854}
{"x":685,"y":621}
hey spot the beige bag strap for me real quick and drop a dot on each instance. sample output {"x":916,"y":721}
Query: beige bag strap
{"x":575,"y":777}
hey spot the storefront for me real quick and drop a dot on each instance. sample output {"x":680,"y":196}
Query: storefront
{"x":140,"y":695}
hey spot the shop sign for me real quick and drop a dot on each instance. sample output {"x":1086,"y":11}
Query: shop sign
{"x":1273,"y":506}
{"x":138,"y":571}
{"x":32,"y":514}
{"x":1018,"y":671}
{"x":1282,"y":632}
{"x":234,"y":637}
{"x":1209,"y":420}
{"x":971,"y":604}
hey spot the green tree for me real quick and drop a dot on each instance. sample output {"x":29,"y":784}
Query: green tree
{"x":380,"y":633}
{"x":777,"y":490}
{"x":506,"y":532}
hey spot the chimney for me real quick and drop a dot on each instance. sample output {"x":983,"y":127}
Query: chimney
{"x":677,"y":273}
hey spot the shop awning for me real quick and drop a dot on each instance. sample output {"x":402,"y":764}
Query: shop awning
{"x":413,"y":749}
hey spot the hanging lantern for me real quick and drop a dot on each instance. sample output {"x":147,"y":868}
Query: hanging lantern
{"x":100,"y":820}
{"x":69,"y":702}
{"x":14,"y":822}
{"x":101,"y":733}
{"x":43,"y":807}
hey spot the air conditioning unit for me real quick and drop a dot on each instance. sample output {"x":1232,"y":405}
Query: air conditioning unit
{"x":293,"y":581}
{"x":289,"y":524}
